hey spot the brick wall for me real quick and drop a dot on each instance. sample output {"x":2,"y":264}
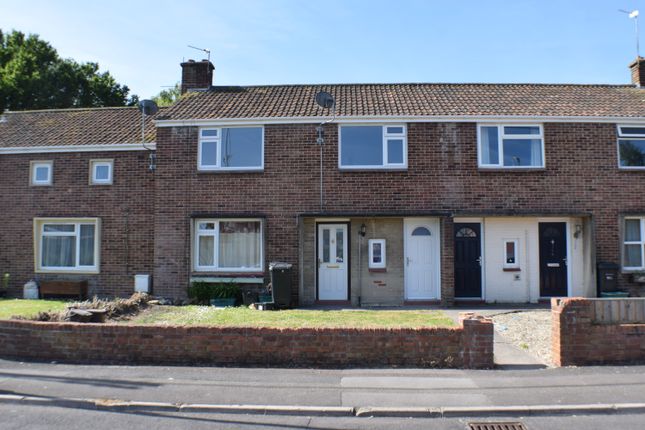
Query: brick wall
{"x":125,"y":209}
{"x":578,"y":340}
{"x":581,"y":177}
{"x":469,"y":346}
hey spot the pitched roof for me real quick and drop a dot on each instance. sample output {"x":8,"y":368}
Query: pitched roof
{"x":364,"y":100}
{"x":74,"y":127}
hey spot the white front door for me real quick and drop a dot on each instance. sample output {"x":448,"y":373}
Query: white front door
{"x":332,"y":262}
{"x":422,"y":277}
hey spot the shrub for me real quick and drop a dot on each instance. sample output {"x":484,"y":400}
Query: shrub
{"x":202,"y":292}
{"x":5,"y":282}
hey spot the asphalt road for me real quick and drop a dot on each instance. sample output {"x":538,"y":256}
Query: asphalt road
{"x":15,"y":417}
{"x":315,"y":387}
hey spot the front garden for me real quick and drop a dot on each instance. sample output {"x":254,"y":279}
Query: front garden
{"x":10,"y":308}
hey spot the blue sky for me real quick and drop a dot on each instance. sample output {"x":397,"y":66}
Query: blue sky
{"x":331,"y":41}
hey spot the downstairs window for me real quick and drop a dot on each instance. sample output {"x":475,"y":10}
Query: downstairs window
{"x":66,"y":245}
{"x":228,"y":245}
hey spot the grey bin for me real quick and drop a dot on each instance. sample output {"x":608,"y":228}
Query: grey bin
{"x":281,"y":284}
{"x":607,"y":277}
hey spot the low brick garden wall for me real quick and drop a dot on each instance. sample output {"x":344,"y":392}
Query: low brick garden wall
{"x":467,"y":346}
{"x":583,"y":335}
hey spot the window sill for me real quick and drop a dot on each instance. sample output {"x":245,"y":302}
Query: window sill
{"x":512,"y":269}
{"x":67,"y":272}
{"x":372,"y":169}
{"x":378,"y":269}
{"x":512,"y":169}
{"x":631,"y":169}
{"x":224,"y":171}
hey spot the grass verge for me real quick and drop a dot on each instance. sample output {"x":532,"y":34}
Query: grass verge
{"x":293,"y":318}
{"x":28,"y":308}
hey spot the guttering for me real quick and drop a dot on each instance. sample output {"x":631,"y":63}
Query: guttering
{"x":78,"y":148}
{"x":405,"y":119}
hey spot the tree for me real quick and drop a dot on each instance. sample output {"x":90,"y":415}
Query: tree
{"x":169,"y":96}
{"x":33,"y":76}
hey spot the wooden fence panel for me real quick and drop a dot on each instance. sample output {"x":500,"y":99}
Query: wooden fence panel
{"x":618,"y":311}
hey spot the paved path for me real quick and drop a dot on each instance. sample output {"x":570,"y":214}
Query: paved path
{"x":506,"y":354}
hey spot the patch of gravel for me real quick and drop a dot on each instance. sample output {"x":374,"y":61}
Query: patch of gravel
{"x":529,"y":330}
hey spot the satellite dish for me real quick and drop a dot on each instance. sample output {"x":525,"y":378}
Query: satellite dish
{"x":325,"y":100}
{"x":148,"y":107}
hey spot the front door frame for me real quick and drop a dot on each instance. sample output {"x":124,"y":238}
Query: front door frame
{"x":349,"y":259}
{"x":567,"y":234}
{"x":430,"y":222}
{"x":482,"y":266}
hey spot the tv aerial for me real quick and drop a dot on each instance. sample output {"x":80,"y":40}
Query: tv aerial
{"x":147,"y":108}
{"x":633,"y":14}
{"x":325,"y":101}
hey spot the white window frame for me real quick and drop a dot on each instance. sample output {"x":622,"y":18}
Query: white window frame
{"x":218,"y":140}
{"x":94,"y":164}
{"x":34,"y":165}
{"x":625,"y":136}
{"x":386,"y":137}
{"x":632,"y":242}
{"x":500,"y":145}
{"x":39,"y":233}
{"x":372,"y":264}
{"x":516,"y":247}
{"x":215,"y":234}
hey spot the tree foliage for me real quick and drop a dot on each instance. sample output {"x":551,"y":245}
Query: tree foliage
{"x":169,"y":96}
{"x":34,"y":76}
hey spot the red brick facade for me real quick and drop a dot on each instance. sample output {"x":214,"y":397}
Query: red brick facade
{"x":146,"y":218}
{"x":125,"y":208}
{"x":469,"y":346}
{"x":578,"y":340}
{"x":581,"y":178}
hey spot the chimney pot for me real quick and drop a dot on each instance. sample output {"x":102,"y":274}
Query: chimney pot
{"x":638,"y":71}
{"x":196,"y":75}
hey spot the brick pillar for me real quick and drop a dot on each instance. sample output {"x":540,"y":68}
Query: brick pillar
{"x":447,"y":262}
{"x":570,"y":330}
{"x":477,"y":341}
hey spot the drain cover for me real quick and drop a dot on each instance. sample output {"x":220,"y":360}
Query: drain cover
{"x":496,"y":426}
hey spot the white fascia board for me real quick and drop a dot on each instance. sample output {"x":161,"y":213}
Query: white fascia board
{"x":79,"y":148}
{"x":400,"y":119}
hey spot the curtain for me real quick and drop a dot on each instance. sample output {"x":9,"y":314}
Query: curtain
{"x":536,"y":152}
{"x":239,"y":244}
{"x":206,"y":250}
{"x":59,"y":251}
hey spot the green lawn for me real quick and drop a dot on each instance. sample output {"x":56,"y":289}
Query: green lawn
{"x":244,"y":317}
{"x":28,"y":308}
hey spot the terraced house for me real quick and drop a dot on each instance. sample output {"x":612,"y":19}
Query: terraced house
{"x":421,"y":193}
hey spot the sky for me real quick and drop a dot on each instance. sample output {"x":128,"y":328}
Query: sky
{"x":258,"y":42}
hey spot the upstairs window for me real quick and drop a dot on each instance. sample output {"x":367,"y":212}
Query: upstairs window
{"x":511,"y":146}
{"x":101,"y":172}
{"x":239,"y":148}
{"x":42,"y":173}
{"x":631,"y":147}
{"x":373,"y":147}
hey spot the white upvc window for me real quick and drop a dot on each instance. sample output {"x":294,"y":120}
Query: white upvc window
{"x":231,"y":148}
{"x":372,"y":146}
{"x":377,"y":254}
{"x":510,"y":146}
{"x":66,"y":245}
{"x":511,"y":254}
{"x":634,"y":243}
{"x":631,"y":147}
{"x":41,"y":173}
{"x":228,"y":245}
{"x":101,"y":172}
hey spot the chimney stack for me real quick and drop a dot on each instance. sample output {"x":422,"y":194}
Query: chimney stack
{"x":196,"y":75}
{"x":638,"y":71}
